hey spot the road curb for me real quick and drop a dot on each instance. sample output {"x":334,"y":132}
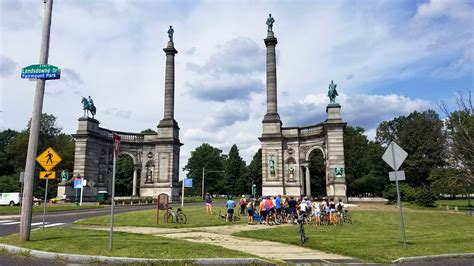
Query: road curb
{"x":74,"y":258}
{"x":434,"y":258}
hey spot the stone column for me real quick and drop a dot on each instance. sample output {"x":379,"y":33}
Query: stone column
{"x":272,"y":112}
{"x":308,"y":182}
{"x":168,"y":118}
{"x":134,"y":185}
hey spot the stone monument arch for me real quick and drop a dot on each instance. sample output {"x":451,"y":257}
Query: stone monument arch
{"x":155,"y":155}
{"x":286,"y":150}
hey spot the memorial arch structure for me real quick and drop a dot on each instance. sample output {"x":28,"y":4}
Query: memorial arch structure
{"x":286,"y":150}
{"x":155,"y":155}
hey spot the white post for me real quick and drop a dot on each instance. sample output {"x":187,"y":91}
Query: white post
{"x":45,"y":199}
{"x":82,"y":190}
{"x":134,"y":182}
{"x":202,"y":192}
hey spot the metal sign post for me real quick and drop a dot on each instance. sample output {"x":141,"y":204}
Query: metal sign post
{"x":116,"y":141}
{"x":22,"y":179}
{"x":45,"y":199}
{"x":394,"y":156}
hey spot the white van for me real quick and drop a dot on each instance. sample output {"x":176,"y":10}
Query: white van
{"x":11,"y":199}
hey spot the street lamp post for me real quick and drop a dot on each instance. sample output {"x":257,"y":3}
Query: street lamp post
{"x":203,"y":174}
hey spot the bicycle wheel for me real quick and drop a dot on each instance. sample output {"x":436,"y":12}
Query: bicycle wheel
{"x":181,"y":218}
{"x":302,"y":235}
{"x":170,"y":217}
{"x":347,"y":218}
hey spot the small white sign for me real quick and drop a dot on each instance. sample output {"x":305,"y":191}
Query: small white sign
{"x":394,"y":155}
{"x":400,"y":175}
{"x":84,"y":182}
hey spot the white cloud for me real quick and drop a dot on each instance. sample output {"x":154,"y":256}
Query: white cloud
{"x":112,"y":50}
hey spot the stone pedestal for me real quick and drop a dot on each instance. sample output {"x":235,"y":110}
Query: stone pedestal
{"x":335,"y":186}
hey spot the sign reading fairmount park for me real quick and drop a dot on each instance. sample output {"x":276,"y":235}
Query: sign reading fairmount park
{"x":43,"y":71}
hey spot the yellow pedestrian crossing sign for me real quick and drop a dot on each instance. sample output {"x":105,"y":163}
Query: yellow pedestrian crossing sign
{"x":47,"y":175}
{"x":48,"y":159}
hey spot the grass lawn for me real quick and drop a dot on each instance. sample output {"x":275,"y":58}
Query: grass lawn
{"x":376,"y":236}
{"x":7,"y":210}
{"x":461,"y":203}
{"x":89,"y":242}
{"x":196,"y":217}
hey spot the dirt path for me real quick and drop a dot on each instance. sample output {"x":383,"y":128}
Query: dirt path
{"x":221,"y":236}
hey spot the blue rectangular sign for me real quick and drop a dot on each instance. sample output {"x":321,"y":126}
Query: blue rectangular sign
{"x":188,"y":182}
{"x":77,"y":183}
{"x":40,"y":75}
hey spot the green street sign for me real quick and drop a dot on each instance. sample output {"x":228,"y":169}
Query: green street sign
{"x":44,"y":71}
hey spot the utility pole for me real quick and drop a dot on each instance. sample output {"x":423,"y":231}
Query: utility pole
{"x":26,"y":209}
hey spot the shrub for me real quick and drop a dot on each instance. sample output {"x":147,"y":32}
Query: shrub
{"x":426,"y":197}
{"x":407,"y":193}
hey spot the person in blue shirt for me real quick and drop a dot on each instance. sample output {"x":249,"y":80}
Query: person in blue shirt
{"x":278,"y":205}
{"x":230,"y":204}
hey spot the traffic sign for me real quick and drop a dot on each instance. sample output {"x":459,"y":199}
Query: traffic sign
{"x":47,"y":175}
{"x":77,"y":183}
{"x":48,"y":159}
{"x":188,"y":182}
{"x":400,"y":175}
{"x":42,"y":71}
{"x":394,"y":155}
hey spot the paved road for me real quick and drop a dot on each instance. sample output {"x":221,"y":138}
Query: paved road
{"x":12,"y":225}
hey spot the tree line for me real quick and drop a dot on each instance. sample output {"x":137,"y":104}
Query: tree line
{"x":440,"y":158}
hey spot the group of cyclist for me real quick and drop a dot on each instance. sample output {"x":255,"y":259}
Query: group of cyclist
{"x":291,"y":209}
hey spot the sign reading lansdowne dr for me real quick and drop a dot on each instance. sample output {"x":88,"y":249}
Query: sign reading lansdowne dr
{"x":40,"y":72}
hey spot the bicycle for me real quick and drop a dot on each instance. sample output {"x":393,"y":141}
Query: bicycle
{"x":233,"y":218}
{"x":346,"y":217}
{"x":176,"y":216}
{"x":303,"y":237}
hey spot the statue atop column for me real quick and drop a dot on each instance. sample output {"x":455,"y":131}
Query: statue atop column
{"x":88,"y":106}
{"x":332,"y":92}
{"x":270,"y":21}
{"x":170,"y":33}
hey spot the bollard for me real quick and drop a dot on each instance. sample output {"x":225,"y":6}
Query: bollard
{"x":447,"y":207}
{"x":455,"y":208}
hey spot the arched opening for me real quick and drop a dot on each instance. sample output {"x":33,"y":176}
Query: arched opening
{"x":317,"y":169}
{"x":124,"y":175}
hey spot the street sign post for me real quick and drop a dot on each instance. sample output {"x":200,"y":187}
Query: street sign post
{"x":394,"y":156}
{"x":40,"y":71}
{"x":83,"y":184}
{"x":116,"y":139}
{"x":22,"y":180}
{"x":48,"y":159}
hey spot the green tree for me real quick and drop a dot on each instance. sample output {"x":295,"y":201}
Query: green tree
{"x":460,"y":125}
{"x":366,"y":173}
{"x":148,"y":131}
{"x":421,"y":135}
{"x":255,"y":171}
{"x":50,"y":136}
{"x":7,"y":165}
{"x":236,"y":180}
{"x":124,"y":175}
{"x":211,"y":160}
{"x":317,"y":169}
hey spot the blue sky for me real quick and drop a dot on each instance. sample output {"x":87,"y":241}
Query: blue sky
{"x":388,"y":58}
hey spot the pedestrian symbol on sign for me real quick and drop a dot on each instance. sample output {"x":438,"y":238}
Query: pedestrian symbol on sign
{"x":50,"y":158}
